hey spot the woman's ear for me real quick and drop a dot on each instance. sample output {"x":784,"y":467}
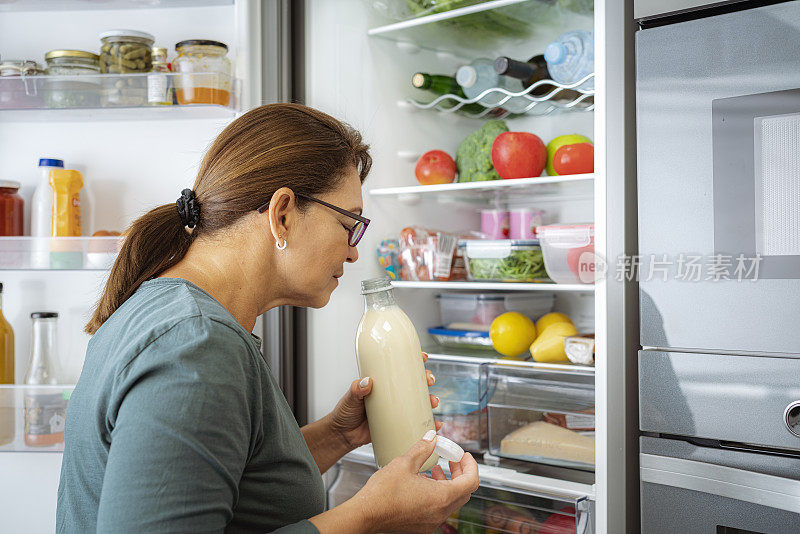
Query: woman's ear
{"x":282,"y":213}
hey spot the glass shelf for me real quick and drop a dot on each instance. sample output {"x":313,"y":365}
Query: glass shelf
{"x":497,"y":286}
{"x":555,"y":187}
{"x":58,"y":253}
{"x":32,"y":417}
{"x":438,"y":353}
{"x":81,"y":5}
{"x":115,"y":97}
{"x":476,"y":27}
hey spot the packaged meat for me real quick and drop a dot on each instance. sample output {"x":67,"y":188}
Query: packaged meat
{"x":579,"y":422}
{"x":545,"y":441}
{"x":427,"y":255}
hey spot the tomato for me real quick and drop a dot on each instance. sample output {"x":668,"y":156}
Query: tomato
{"x":435,"y":167}
{"x":518,"y":155}
{"x":574,"y":159}
{"x":558,"y":523}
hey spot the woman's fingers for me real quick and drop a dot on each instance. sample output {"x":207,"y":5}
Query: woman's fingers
{"x":455,"y":469}
{"x":430,"y":377}
{"x":438,"y":425}
{"x":437,"y":473}
{"x":434,"y":401}
{"x":424,"y":357}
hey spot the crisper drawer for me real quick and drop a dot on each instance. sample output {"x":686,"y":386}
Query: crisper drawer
{"x":497,"y":510}
{"x":744,"y":399}
{"x":32,"y":418}
{"x":351,"y":478}
{"x":461,"y":388}
{"x":542,"y":415}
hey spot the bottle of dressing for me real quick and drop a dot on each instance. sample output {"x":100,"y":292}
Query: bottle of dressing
{"x":387,"y":346}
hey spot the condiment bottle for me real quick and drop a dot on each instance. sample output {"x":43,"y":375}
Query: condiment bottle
{"x":42,"y":202}
{"x":44,"y":409}
{"x":399,"y":411}
{"x":7,"y":417}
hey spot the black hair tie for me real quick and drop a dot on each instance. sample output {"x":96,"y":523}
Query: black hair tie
{"x":188,"y":208}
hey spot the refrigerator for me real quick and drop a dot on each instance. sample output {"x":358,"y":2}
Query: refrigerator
{"x":717,"y":104}
{"x":354,"y":59}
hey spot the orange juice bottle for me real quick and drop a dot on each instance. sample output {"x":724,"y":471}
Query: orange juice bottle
{"x":6,"y":377}
{"x":66,"y":185}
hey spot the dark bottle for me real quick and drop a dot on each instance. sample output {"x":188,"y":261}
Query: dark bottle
{"x":445,"y":85}
{"x":532,"y":71}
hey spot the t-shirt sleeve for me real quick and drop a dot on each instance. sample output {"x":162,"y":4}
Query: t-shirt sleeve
{"x":181,"y":431}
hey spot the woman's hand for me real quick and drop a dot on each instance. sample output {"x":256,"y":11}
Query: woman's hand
{"x":349,"y":417}
{"x":399,"y":498}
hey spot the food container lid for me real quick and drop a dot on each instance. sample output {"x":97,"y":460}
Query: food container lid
{"x":500,"y":248}
{"x":51,"y":162}
{"x":9,"y":184}
{"x":136,"y":35}
{"x":448,"y":449}
{"x":159,"y":50}
{"x":20,"y":67}
{"x":569,"y":235}
{"x":44,"y":315}
{"x":200,"y":42}
{"x":470,"y":296}
{"x":72,"y":53}
{"x":441,"y":331}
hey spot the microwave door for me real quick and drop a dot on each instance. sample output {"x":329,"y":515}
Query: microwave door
{"x":718,"y":118}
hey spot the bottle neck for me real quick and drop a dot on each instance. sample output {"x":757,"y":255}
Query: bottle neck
{"x":379,"y":300}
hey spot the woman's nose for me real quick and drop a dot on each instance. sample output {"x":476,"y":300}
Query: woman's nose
{"x":352,"y":255}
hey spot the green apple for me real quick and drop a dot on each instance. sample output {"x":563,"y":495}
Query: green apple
{"x":558,"y":142}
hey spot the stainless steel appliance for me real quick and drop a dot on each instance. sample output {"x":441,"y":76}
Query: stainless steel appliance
{"x":718,"y":118}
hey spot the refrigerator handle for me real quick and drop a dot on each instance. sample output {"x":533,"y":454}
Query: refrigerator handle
{"x":740,"y":484}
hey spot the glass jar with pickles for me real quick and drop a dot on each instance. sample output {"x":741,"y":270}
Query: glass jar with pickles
{"x":67,"y":85}
{"x":204,"y":72}
{"x":20,"y":87}
{"x":127,"y":53}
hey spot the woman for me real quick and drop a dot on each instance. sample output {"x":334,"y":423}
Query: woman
{"x":176,"y":423}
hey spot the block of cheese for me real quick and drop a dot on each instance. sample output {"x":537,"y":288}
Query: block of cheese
{"x":549,"y":441}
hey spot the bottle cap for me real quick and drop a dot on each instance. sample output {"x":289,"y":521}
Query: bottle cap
{"x":49,"y":162}
{"x":44,"y":315}
{"x":555,"y":53}
{"x":466,"y":76}
{"x":448,"y":449}
{"x":374,"y":285}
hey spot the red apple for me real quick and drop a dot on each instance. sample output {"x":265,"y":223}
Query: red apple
{"x":577,"y":158}
{"x":518,"y":155}
{"x":435,"y":167}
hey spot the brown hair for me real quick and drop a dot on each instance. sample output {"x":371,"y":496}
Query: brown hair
{"x":269,"y":147}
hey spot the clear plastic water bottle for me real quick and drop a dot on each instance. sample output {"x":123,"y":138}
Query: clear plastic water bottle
{"x":479,"y":76}
{"x":571,"y":58}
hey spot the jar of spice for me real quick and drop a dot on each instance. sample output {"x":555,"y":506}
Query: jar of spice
{"x":18,"y":87}
{"x":68,"y":85}
{"x":204,"y":72}
{"x":127,"y":53}
{"x":12,"y":208}
{"x":159,"y":82}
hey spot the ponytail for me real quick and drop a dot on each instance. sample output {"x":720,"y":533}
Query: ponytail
{"x":269,"y":147}
{"x":154,"y":243}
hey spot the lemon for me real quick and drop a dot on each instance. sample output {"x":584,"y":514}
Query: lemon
{"x":512,"y":333}
{"x":551,"y":318}
{"x":549,"y":346}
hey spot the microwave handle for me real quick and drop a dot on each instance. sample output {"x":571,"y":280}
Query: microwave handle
{"x":740,"y":484}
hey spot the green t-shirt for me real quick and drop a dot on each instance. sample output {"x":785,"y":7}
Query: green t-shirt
{"x":177,"y":425}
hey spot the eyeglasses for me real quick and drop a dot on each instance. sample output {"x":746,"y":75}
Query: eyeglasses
{"x":354,"y":234}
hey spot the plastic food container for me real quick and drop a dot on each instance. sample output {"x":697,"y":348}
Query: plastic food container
{"x":205,"y":72}
{"x":426,"y":255}
{"x":67,"y":85}
{"x":461,"y":388}
{"x":506,"y":260}
{"x":568,"y":252}
{"x":483,"y":308}
{"x":461,"y":339}
{"x":19,"y":87}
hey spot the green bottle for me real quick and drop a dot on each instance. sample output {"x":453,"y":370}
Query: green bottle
{"x":439,"y":84}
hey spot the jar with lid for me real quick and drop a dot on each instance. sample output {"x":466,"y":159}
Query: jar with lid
{"x":204,"y":72}
{"x":20,"y":87}
{"x":11,"y":209}
{"x":69,"y":84}
{"x":159,"y":82}
{"x":44,"y":409}
{"x":127,"y":53}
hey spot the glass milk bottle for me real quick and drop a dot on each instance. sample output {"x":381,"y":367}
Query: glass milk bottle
{"x":387,"y":347}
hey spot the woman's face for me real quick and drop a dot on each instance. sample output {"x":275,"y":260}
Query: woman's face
{"x":317,"y":244}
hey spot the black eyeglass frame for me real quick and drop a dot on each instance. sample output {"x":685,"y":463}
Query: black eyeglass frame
{"x":351,"y":231}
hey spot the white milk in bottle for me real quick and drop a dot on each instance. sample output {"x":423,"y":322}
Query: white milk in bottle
{"x":387,"y":346}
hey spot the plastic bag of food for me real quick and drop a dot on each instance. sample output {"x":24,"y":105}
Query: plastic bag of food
{"x":428,"y":255}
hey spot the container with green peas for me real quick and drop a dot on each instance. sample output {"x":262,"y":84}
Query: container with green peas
{"x":125,"y":52}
